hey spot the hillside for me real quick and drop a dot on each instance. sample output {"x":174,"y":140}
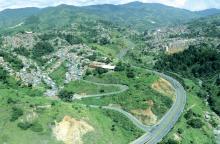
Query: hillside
{"x":90,"y":75}
{"x":136,"y":15}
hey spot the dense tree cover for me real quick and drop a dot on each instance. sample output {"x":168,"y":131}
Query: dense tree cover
{"x":47,"y":36}
{"x":199,"y":61}
{"x":120,"y":66}
{"x":104,"y":40}
{"x":32,"y":20}
{"x":3,"y":75}
{"x":195,"y":123}
{"x":42,"y":48}
{"x":22,"y":51}
{"x":208,"y":27}
{"x":13,"y":61}
{"x":170,"y":141}
{"x":193,"y":119}
{"x":1,"y":40}
{"x":72,"y":39}
{"x":66,"y":95}
{"x":100,"y":71}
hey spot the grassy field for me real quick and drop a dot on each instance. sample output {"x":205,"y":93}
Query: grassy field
{"x":138,"y":95}
{"x":190,"y":135}
{"x":82,"y":87}
{"x":21,"y":104}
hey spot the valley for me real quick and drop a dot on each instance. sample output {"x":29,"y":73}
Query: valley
{"x":109,"y":74}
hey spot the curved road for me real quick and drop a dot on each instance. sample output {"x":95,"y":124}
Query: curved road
{"x":159,"y":131}
{"x":156,"y":133}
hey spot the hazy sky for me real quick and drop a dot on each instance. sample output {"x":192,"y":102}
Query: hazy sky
{"x":187,"y":4}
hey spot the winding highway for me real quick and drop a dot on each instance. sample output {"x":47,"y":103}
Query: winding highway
{"x":160,"y":130}
{"x":154,"y":134}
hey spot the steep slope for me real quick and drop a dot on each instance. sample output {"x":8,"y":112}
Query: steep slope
{"x":209,"y":12}
{"x":10,"y":17}
{"x":137,"y":15}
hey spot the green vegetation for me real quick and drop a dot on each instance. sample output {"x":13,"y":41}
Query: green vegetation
{"x":83,"y":87}
{"x":73,"y":39}
{"x":123,"y":33}
{"x":138,"y":15}
{"x":13,"y":61}
{"x":136,"y":97}
{"x":16,"y":113}
{"x":58,"y":75}
{"x":203,"y":62}
{"x":41,"y":49}
{"x":33,"y":123}
{"x":66,"y":96}
{"x":22,"y":51}
{"x":192,"y":128}
{"x":3,"y":75}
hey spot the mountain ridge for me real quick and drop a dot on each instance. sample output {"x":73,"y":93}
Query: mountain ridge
{"x":138,"y":15}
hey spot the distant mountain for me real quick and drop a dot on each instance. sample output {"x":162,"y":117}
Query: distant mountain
{"x":206,"y":26}
{"x":136,"y":15}
{"x":209,"y":12}
{"x":11,"y":17}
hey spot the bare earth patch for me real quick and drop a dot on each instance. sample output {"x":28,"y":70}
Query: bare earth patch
{"x":177,"y":137}
{"x":70,"y":131}
{"x":146,"y":116}
{"x":164,"y":87}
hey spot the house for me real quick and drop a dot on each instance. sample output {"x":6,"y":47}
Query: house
{"x":101,"y":65}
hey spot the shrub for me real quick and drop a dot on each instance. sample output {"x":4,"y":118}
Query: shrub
{"x":180,"y":130}
{"x":16,"y":113}
{"x":102,"y":91}
{"x":195,"y":123}
{"x":120,"y":67}
{"x":36,"y":127}
{"x":24,"y":125}
{"x":130,"y":74}
{"x":101,"y":71}
{"x":171,"y":141}
{"x":189,"y":114}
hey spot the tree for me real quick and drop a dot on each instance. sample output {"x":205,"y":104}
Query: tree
{"x":3,"y":75}
{"x":195,"y":123}
{"x":16,"y":113}
{"x":130,"y":74}
{"x":189,"y":114}
{"x":41,"y":49}
{"x":180,"y":130}
{"x":120,"y":66}
{"x":22,"y":51}
{"x":101,"y":71}
{"x":218,"y":81}
{"x":171,"y":141}
{"x":102,"y":90}
{"x":66,"y":95}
